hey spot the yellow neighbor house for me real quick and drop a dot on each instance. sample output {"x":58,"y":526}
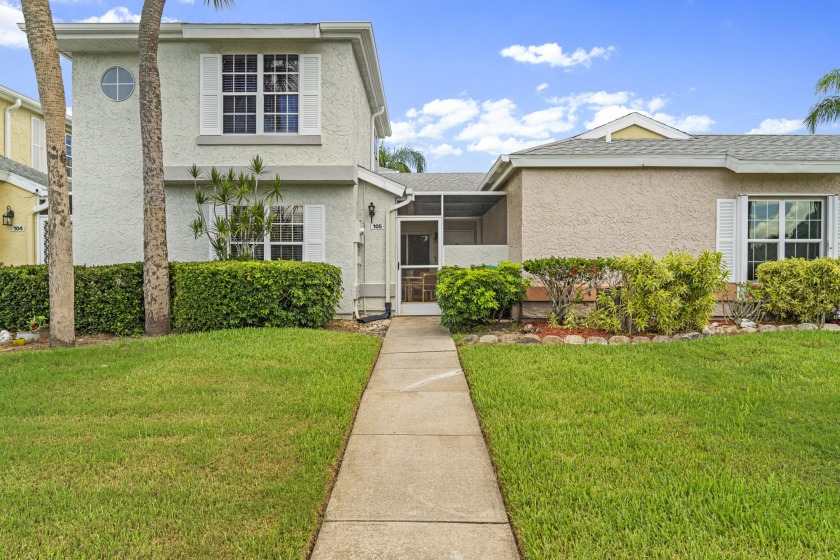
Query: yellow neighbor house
{"x":23,"y":179}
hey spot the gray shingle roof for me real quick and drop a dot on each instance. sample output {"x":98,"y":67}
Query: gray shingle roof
{"x":437,"y":182}
{"x":742,"y":146}
{"x":24,"y":171}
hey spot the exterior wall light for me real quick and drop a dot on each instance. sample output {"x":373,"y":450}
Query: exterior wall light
{"x":371,"y":211}
{"x":8,"y":217}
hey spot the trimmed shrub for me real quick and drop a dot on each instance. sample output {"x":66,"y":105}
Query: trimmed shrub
{"x":108,"y":299}
{"x":206,"y":296}
{"x":566,"y":279}
{"x":479,"y":294}
{"x":24,"y":294}
{"x":227,"y":295}
{"x":666,"y":295}
{"x":799,"y":289}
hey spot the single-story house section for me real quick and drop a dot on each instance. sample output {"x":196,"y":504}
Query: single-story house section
{"x":635,"y":185}
{"x":310,"y":99}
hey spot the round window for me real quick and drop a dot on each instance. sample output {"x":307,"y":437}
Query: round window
{"x":117,"y":83}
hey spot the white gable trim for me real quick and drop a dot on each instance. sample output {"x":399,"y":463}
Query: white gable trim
{"x":637,"y":119}
{"x":22,"y":182}
{"x":379,"y":181}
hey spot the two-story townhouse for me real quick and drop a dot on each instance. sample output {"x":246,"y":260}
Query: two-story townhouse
{"x":23,"y":179}
{"x":307,"y":98}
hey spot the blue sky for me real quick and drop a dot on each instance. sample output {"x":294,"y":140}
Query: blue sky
{"x":468,"y":80}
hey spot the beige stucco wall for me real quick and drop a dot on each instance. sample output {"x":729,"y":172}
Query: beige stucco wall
{"x":513,"y":187}
{"x":21,"y":132}
{"x":494,"y":224}
{"x":635,"y":131}
{"x":608,"y":212}
{"x":18,"y":248}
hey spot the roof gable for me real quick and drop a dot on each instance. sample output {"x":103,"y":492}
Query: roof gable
{"x":634,"y":125}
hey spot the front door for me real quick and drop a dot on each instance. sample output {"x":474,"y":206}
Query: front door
{"x":418,"y":261}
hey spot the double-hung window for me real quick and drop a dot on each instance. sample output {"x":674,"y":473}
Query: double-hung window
{"x":260,"y":93}
{"x":68,"y":147}
{"x":256,"y":95}
{"x":283,"y":241}
{"x":783,"y":229}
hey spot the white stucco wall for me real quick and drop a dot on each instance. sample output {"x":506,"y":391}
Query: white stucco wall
{"x":470,"y":255}
{"x":108,"y":186}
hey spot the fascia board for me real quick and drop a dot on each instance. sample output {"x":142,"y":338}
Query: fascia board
{"x":251,"y":31}
{"x":21,"y":182}
{"x":379,"y":181}
{"x":639,"y":120}
{"x":617,"y":161}
{"x":500,"y":167}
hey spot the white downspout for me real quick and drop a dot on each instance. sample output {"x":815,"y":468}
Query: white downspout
{"x":373,"y":118}
{"x":388,"y":271}
{"x":8,"y":148}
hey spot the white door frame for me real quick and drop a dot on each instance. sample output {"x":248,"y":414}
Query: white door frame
{"x":417,"y":308}
{"x":40,"y":221}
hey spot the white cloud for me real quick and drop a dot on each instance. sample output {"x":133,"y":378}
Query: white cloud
{"x":777,"y":126}
{"x":434,"y":119}
{"x":119,"y":14}
{"x":543,"y":86}
{"x":687,"y":123}
{"x":498,"y":119}
{"x":656,"y":103}
{"x":496,"y":145}
{"x":553,"y":55}
{"x":10,"y":35}
{"x":443,"y":150}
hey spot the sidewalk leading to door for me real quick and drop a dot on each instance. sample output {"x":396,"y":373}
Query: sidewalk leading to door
{"x":416,"y":480}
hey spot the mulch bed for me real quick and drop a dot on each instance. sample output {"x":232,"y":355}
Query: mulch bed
{"x":44,"y":342}
{"x":542,"y":330}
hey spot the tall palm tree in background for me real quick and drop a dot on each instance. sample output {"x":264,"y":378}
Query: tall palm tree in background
{"x":403,"y":159}
{"x":43,"y":46}
{"x":155,"y":251}
{"x":827,"y":109}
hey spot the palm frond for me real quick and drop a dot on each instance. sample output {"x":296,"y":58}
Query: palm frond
{"x":829,"y":82}
{"x":825,"y":111}
{"x":219,"y":4}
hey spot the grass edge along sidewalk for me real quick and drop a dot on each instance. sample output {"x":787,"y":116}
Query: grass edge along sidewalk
{"x":203,"y":445}
{"x":724,"y":447}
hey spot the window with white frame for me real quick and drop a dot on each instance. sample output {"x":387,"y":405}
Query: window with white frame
{"x":284,"y":240}
{"x":68,"y":147}
{"x":781,"y":229}
{"x":260,"y":93}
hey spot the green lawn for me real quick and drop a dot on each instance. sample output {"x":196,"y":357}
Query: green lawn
{"x":727,"y":447}
{"x":218,"y":444}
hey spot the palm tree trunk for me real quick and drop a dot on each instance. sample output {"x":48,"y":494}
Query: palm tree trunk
{"x":155,"y":252}
{"x":43,"y":46}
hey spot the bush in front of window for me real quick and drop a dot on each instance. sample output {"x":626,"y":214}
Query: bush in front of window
{"x":480,"y":294}
{"x":234,"y":212}
{"x":206,"y":296}
{"x":108,"y":299}
{"x":234,"y":294}
{"x":664,"y":295}
{"x":800,"y":289}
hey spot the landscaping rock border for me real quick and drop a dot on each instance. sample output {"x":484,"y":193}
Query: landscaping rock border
{"x":713,"y":329}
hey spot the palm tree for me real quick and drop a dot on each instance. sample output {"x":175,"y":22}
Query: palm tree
{"x":155,"y":251}
{"x":43,"y":46}
{"x":402,"y":159}
{"x":828,"y":108}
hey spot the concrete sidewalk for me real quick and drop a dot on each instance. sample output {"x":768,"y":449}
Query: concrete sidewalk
{"x":416,"y":481}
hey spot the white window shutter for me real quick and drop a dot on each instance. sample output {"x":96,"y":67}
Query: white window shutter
{"x":314,"y":233}
{"x":310,"y":95}
{"x":210,"y":103}
{"x":833,"y":227}
{"x":726,"y":233}
{"x":39,"y":145}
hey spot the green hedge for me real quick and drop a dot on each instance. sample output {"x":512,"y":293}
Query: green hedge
{"x":799,"y":289}
{"x":232,"y":294}
{"x":108,"y":299}
{"x":479,"y":294}
{"x":206,"y":296}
